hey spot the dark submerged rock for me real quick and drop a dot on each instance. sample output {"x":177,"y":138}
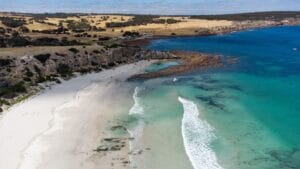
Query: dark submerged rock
{"x":211,"y":101}
{"x":207,"y":87}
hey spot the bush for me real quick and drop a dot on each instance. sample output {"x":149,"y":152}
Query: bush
{"x":114,"y":45}
{"x":64,"y":70}
{"x":26,"y":79}
{"x":19,"y":87}
{"x":137,"y":20}
{"x":4,"y":102}
{"x":2,"y":30}
{"x":4,"y":62}
{"x":24,"y":29}
{"x":104,"y":38}
{"x":76,"y":26}
{"x":54,"y":15}
{"x":42,"y":57}
{"x":74,"y":50}
{"x":96,"y":51}
{"x":141,"y":20}
{"x":18,"y":41}
{"x":94,"y":28}
{"x":28,"y":72}
{"x":171,"y":21}
{"x":131,"y":34}
{"x":40,"y":79}
{"x":12,"y":90}
{"x":12,"y":22}
{"x":60,"y":30}
{"x":46,"y":41}
{"x":37,"y":69}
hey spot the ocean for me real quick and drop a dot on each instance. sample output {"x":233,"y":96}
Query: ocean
{"x":240,"y":116}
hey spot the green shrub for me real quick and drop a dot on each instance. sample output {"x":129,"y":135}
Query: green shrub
{"x":74,"y":50}
{"x":96,"y":51}
{"x":12,"y":22}
{"x":27,"y":79}
{"x":40,"y":79}
{"x":64,"y":70}
{"x":171,"y":21}
{"x":137,"y":20}
{"x":28,"y":72}
{"x":10,"y":91}
{"x":5,"y":62}
{"x":42,"y":57}
{"x":4,"y":102}
{"x":82,"y":25}
{"x":131,"y":34}
{"x":37,"y":69}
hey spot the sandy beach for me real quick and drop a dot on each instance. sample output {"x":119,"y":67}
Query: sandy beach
{"x":61,"y":127}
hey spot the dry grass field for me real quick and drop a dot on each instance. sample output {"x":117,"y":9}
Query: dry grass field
{"x":182,"y":26}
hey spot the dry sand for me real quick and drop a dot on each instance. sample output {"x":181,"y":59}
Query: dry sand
{"x":61,"y":127}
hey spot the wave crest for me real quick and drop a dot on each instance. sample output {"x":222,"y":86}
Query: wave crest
{"x":197,"y":135}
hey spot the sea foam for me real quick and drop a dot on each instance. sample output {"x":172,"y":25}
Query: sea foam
{"x":136,"y":131}
{"x":197,"y":135}
{"x":137,"y":107}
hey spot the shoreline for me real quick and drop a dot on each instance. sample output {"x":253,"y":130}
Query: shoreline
{"x":47,"y":121}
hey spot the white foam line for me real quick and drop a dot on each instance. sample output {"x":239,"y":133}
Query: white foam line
{"x":137,"y":131}
{"x":197,"y":135}
{"x":137,"y":107}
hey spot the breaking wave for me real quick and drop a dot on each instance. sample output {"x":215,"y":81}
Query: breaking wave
{"x":197,"y":135}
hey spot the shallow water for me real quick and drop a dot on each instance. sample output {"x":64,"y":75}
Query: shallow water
{"x":160,"y":66}
{"x":248,"y":114}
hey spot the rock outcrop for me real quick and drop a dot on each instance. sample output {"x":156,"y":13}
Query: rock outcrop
{"x":190,"y":61}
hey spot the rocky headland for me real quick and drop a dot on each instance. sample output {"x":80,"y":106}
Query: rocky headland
{"x":189,"y":61}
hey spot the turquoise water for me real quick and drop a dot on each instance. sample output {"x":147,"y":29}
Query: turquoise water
{"x":243,"y":116}
{"x":160,"y":66}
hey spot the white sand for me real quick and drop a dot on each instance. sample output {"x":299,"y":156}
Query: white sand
{"x":60,"y":128}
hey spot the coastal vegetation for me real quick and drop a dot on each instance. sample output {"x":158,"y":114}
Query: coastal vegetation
{"x":142,"y":20}
{"x":254,"y":16}
{"x":79,"y":26}
{"x":12,"y":22}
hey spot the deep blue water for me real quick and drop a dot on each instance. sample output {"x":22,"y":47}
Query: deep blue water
{"x":253,"y":105}
{"x":271,"y":51}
